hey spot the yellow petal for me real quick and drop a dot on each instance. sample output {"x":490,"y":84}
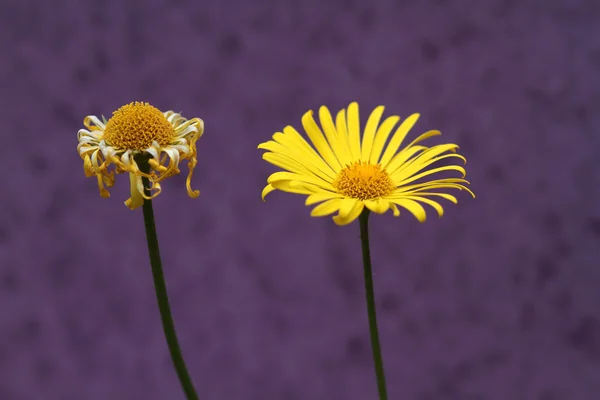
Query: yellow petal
{"x":326,"y":208}
{"x":426,"y":155}
{"x":347,"y":206}
{"x":87,"y":166}
{"x":332,"y":135}
{"x":415,"y":208}
{"x":403,"y":156}
{"x":342,"y":130}
{"x":398,"y":138}
{"x":378,"y":206}
{"x":442,"y":195}
{"x":432,"y":171}
{"x":351,"y":216}
{"x":136,"y":200}
{"x":403,"y":173}
{"x":268,"y":189}
{"x":318,"y":140}
{"x":292,"y":139}
{"x":293,"y":187}
{"x":286,"y":163}
{"x":369,"y":134}
{"x":381,"y":137}
{"x":434,"y":184}
{"x":289,"y":176}
{"x":354,"y":130}
{"x":395,"y":209}
{"x":321,"y":196}
{"x":313,"y":163}
{"x":394,"y":164}
{"x":430,"y":202}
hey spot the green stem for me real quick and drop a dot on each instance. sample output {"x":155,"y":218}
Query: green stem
{"x":161,"y":294}
{"x":364,"y":239}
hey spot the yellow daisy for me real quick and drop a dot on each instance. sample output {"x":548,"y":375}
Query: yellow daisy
{"x":347,"y":173}
{"x":139,"y":133}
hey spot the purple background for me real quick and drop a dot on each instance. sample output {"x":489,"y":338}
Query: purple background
{"x":498,"y":300}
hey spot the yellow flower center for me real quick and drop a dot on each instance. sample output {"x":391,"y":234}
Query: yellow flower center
{"x":134,"y":126}
{"x":364,"y":181}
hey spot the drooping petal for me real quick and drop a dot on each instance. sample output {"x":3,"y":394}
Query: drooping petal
{"x":357,"y":208}
{"x":398,"y":138}
{"x":369,"y":134}
{"x":378,"y":206}
{"x":136,"y":200}
{"x":268,"y":189}
{"x":93,"y":123}
{"x":427,"y":201}
{"x":415,"y":208}
{"x":346,"y":207}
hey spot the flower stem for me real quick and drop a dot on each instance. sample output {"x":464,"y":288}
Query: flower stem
{"x":364,"y":239}
{"x":161,"y":294}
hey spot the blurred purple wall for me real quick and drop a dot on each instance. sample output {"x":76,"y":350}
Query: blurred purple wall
{"x":498,"y":300}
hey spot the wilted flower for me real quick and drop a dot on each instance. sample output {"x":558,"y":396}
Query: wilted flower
{"x":139,"y":133}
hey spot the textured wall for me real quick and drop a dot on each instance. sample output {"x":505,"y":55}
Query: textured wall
{"x":498,"y":300}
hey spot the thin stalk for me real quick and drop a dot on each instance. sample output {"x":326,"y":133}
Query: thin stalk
{"x":161,"y":294}
{"x":377,"y":359}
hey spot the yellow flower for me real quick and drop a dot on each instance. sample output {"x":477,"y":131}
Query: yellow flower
{"x":346,"y":174}
{"x":139,"y":130}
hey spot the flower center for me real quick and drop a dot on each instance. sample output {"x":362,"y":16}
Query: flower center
{"x":135,"y":125}
{"x":364,"y":181}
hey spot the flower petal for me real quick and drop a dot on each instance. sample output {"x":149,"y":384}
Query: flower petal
{"x":136,"y":200}
{"x":403,"y":156}
{"x":398,"y":138}
{"x":316,"y":136}
{"x":426,"y":155}
{"x":321,"y":196}
{"x":369,"y":134}
{"x":342,"y":130}
{"x":347,"y":206}
{"x":357,"y":208}
{"x":398,"y":160}
{"x":268,"y":189}
{"x":415,"y":208}
{"x":403,"y":173}
{"x":354,"y":131}
{"x":326,"y":208}
{"x":289,"y":176}
{"x":430,"y":172}
{"x":381,"y":137}
{"x":430,"y":202}
{"x":378,"y":206}
{"x":315,"y":164}
{"x":336,"y":142}
{"x":291,"y":165}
